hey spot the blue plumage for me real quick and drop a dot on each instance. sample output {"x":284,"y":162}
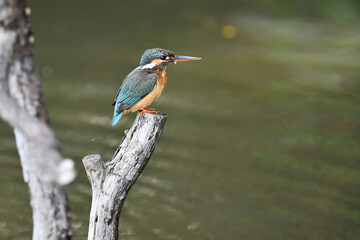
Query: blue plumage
{"x":145,"y":83}
{"x":116,"y":117}
{"x":136,"y":85}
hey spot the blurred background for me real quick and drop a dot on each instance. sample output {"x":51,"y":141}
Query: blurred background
{"x":263,"y":134}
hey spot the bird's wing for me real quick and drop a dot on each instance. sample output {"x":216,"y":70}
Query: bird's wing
{"x":116,"y":96}
{"x":136,"y":85}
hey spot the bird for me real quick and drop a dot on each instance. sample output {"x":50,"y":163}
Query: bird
{"x":145,"y":83}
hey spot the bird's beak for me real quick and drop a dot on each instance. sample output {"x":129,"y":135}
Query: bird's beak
{"x":183,"y":59}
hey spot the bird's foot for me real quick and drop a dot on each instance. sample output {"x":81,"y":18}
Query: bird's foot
{"x":147,"y":110}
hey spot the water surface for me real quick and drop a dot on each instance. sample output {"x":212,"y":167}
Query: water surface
{"x":262,"y":137}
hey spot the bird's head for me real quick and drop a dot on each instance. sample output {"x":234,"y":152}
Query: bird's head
{"x":159,"y":58}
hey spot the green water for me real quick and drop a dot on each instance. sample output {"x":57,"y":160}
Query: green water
{"x":263,"y":135}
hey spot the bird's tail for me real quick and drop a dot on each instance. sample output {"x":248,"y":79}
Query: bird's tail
{"x":116,"y":118}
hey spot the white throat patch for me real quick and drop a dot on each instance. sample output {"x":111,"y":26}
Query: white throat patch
{"x":149,"y":66}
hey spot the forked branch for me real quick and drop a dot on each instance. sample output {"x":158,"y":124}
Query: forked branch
{"x":111,"y":181}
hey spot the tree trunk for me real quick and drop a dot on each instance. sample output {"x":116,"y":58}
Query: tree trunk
{"x":22,"y":107}
{"x":111,"y":181}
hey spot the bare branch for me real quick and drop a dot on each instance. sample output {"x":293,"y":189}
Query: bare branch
{"x":23,"y":108}
{"x":111,"y":181}
{"x":41,"y":140}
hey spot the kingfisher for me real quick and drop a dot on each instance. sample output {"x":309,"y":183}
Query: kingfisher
{"x":145,"y":83}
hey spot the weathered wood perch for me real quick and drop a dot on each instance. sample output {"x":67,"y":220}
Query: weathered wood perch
{"x":111,"y":181}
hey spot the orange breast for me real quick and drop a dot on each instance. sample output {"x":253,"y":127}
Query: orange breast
{"x":154,"y":94}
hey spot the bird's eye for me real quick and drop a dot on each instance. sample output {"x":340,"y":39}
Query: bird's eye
{"x":163,"y":58}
